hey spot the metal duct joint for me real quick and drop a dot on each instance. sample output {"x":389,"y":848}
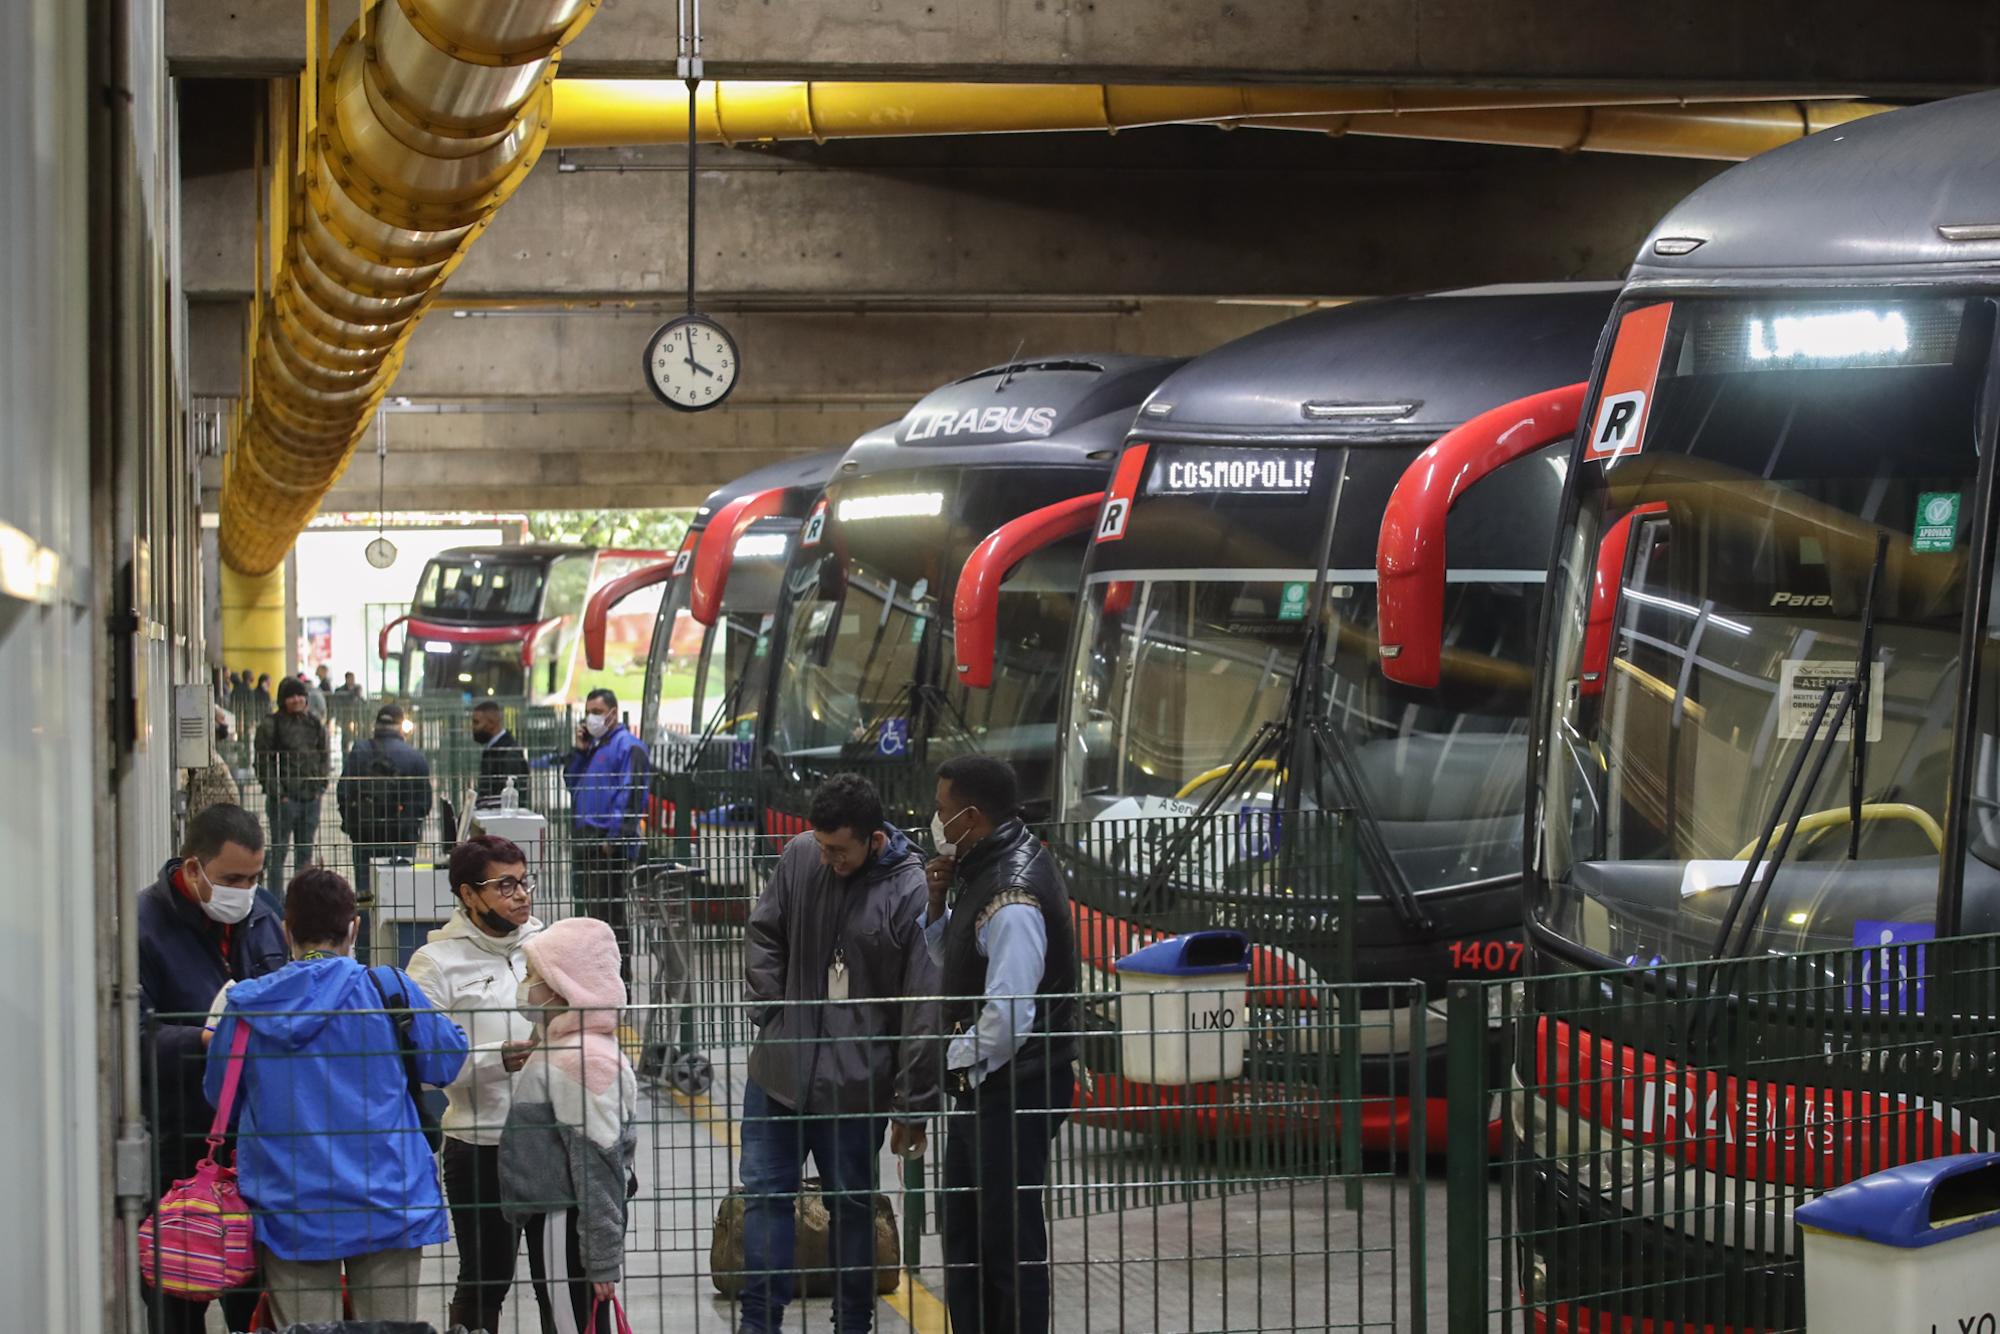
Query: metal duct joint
{"x":428,"y":118}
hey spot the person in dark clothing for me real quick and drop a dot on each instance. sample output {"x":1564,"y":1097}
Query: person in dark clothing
{"x":836,"y":923}
{"x":291,"y":760}
{"x":384,"y":794}
{"x":242,"y":703}
{"x":607,"y":777}
{"x":261,"y":695}
{"x":203,"y":924}
{"x":1007,"y":950}
{"x":500,"y":756}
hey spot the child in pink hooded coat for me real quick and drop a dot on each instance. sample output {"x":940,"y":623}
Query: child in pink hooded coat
{"x":566,"y":1153}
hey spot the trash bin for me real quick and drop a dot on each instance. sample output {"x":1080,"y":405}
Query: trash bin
{"x":1181,"y":1008}
{"x":1915,"y":1247}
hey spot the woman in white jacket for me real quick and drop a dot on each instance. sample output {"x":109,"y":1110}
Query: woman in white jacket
{"x":471,"y":970}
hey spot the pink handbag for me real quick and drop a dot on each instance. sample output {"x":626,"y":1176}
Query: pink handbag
{"x":199,"y":1241}
{"x":617,"y":1310}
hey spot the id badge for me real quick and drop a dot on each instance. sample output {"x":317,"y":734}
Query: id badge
{"x":836,"y":977}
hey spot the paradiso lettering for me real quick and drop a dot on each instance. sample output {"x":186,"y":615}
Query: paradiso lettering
{"x":931,"y":424}
{"x":1252,"y":473}
{"x":1758,"y":1129}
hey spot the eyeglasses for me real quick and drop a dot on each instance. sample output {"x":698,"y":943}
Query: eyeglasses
{"x":510,"y":886}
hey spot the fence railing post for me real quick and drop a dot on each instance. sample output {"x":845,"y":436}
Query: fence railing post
{"x":1467,"y":1163}
{"x":913,"y":1214}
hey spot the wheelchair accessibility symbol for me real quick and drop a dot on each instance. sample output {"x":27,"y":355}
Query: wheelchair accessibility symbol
{"x":894,"y":739}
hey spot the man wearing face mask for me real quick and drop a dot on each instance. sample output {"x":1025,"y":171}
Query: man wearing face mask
{"x":607,"y":776}
{"x":203,"y":924}
{"x":1007,"y":950}
{"x":836,"y":925}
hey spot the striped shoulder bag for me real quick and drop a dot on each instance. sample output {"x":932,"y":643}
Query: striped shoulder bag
{"x":199,"y":1242}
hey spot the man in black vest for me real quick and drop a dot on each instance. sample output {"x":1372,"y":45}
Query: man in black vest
{"x":1007,"y":950}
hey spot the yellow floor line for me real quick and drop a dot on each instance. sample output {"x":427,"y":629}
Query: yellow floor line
{"x":709,"y":1117}
{"x":917,"y":1304}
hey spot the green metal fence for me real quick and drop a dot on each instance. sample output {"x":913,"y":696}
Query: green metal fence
{"x":1231,"y":1205}
{"x":1661,"y":1124}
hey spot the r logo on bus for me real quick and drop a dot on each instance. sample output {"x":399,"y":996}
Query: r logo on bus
{"x":1111,"y":526}
{"x":1619,"y":419}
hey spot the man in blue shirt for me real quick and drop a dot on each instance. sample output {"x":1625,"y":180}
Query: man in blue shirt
{"x":1007,"y":951}
{"x":607,"y":777}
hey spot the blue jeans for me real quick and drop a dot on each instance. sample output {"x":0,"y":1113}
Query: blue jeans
{"x":776,"y":1140}
{"x":294,"y":821}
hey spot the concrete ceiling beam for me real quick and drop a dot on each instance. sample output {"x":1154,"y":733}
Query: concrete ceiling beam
{"x":1926,"y":48}
{"x":1316,"y":216}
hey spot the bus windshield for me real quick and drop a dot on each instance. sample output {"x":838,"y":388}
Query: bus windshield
{"x":468,"y":590}
{"x":1177,"y":669}
{"x":673,"y":659}
{"x":712,"y":679}
{"x":869,"y":669}
{"x":1803,"y":479}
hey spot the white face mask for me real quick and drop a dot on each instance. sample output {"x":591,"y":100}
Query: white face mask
{"x":228,"y":904}
{"x":945,"y":846}
{"x":596,"y":723}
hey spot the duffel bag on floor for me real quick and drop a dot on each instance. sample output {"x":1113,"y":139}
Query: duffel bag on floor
{"x":809,"y":1254}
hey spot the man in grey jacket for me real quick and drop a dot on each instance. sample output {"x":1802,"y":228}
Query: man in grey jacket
{"x":836,"y":927}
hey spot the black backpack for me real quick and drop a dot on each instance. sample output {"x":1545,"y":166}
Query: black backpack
{"x":386,"y":801}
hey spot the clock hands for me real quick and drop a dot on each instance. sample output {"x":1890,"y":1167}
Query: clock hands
{"x":689,"y":359}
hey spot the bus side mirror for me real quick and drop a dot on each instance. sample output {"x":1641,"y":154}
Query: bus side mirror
{"x":1410,"y":561}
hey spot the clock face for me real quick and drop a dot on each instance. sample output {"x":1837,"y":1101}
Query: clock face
{"x":691,"y":363}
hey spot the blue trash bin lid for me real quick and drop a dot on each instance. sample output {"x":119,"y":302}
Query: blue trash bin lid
{"x":1196,"y":954}
{"x":1900,"y":1206}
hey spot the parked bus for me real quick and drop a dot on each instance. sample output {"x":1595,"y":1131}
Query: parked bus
{"x":501,"y":621}
{"x":1224,"y":667}
{"x":1785,"y":471}
{"x":870,"y":679}
{"x":700,"y":652}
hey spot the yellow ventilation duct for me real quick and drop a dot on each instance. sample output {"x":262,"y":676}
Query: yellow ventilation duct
{"x":429,"y":113}
{"x":1719,"y":132}
{"x":609,"y":113}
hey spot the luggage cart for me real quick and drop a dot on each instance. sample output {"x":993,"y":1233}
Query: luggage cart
{"x":659,"y":898}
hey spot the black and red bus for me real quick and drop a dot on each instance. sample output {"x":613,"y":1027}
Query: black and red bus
{"x":983,"y":493}
{"x":1225,"y":667}
{"x":713,"y":636}
{"x":501,"y":622}
{"x":1739,"y":836}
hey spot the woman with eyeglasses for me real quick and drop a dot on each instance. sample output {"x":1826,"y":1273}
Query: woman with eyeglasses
{"x":471,"y":970}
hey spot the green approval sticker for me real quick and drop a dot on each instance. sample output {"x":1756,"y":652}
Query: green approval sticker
{"x":1936,"y":526}
{"x":1292,"y":602}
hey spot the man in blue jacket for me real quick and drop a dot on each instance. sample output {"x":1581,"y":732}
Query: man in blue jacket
{"x":331,"y":1155}
{"x":607,"y":778}
{"x":204,"y":923}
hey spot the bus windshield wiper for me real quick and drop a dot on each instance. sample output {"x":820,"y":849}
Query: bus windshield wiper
{"x":1742,"y":903}
{"x":1864,"y":686}
{"x":1187,"y":832}
{"x":725,"y":710}
{"x":1317,"y":736}
{"x":941,"y":703}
